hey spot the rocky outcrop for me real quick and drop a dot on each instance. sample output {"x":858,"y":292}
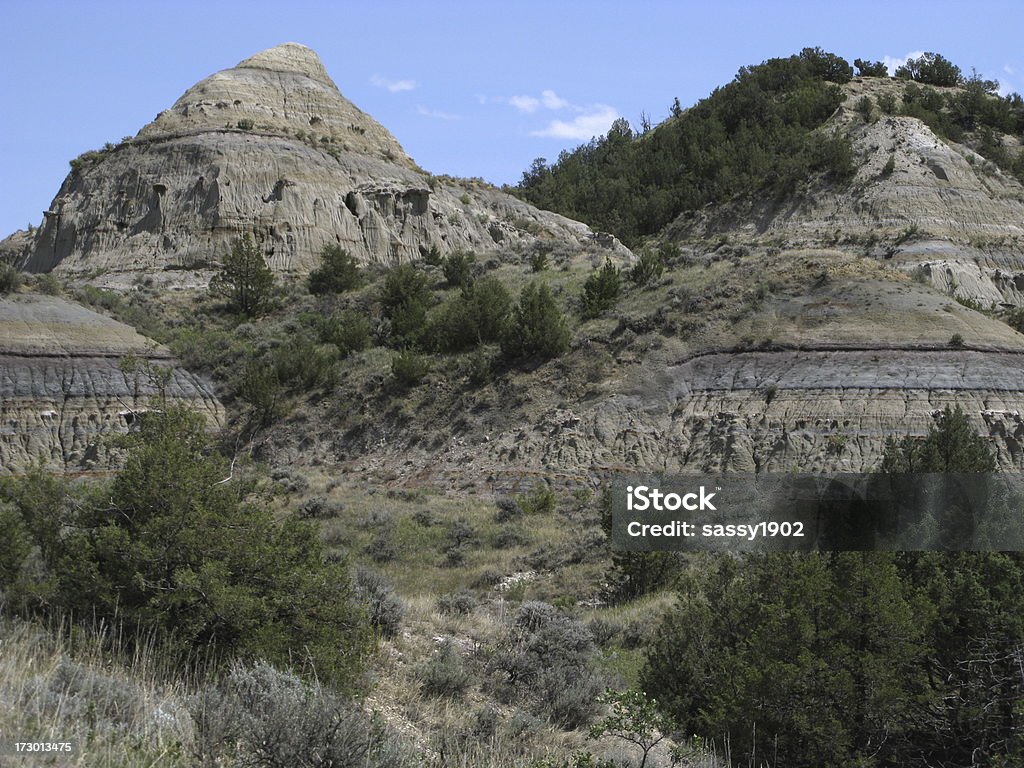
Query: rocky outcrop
{"x":932,"y":207}
{"x":272,"y":149}
{"x":62,"y":389}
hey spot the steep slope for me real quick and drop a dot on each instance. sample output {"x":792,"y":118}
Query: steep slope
{"x":268,"y":148}
{"x":62,"y":388}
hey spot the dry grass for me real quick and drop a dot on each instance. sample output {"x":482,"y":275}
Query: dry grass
{"x":119,"y":709}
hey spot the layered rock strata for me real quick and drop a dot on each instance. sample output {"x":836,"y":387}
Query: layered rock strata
{"x":63,"y":391}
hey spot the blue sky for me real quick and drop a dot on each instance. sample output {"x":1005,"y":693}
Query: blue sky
{"x":470,"y":89}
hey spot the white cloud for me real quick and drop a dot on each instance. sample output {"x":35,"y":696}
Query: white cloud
{"x":552,"y":101}
{"x":526,"y":104}
{"x":393,"y":86}
{"x":892,"y":63}
{"x":436,"y":113}
{"x":593,"y":122}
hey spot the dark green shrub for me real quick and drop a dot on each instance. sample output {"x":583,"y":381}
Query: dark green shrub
{"x":537,"y":327}
{"x":260,"y":388}
{"x":479,"y":315}
{"x":649,"y":268}
{"x":304,"y":366}
{"x":348,"y":330}
{"x":931,"y":69}
{"x":538,"y":261}
{"x":887,"y":103}
{"x":338,"y":272}
{"x":405,"y":298}
{"x":865,"y":108}
{"x":1015,"y":319}
{"x":244,"y":279}
{"x":601,"y":290}
{"x":431,"y":255}
{"x":458,"y":268}
{"x":956,"y":341}
{"x":10,"y":279}
{"x":48,"y":284}
{"x":409,"y":368}
{"x":246,"y":124}
{"x":540,"y":501}
{"x":171,"y":544}
{"x":870,"y":68}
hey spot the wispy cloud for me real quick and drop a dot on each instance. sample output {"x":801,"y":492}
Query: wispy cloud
{"x":892,"y":63}
{"x":592,"y":122}
{"x":528,"y":104}
{"x":551,"y":100}
{"x":436,"y":113}
{"x":393,"y":86}
{"x":589,"y":121}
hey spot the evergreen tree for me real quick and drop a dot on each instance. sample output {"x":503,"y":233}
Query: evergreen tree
{"x":537,"y":327}
{"x":405,"y":298}
{"x":244,"y":278}
{"x":338,"y":272}
{"x":171,"y":544}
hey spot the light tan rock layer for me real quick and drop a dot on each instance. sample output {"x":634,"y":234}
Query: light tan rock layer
{"x":272,"y":149}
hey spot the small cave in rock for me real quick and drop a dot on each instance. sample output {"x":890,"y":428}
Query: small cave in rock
{"x":352,"y":204}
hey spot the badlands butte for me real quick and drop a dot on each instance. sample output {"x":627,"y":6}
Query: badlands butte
{"x":794,"y":327}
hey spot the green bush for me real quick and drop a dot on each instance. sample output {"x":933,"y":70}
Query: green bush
{"x":10,"y":279}
{"x":405,"y":298}
{"x":431,"y":255}
{"x":931,"y":69}
{"x":479,"y":315}
{"x":601,"y":290}
{"x":48,"y":284}
{"x":244,"y":279}
{"x":865,"y":108}
{"x":338,"y":272}
{"x":304,"y":366}
{"x":171,"y":544}
{"x":348,"y":330}
{"x":870,"y":68}
{"x":409,"y":368}
{"x":458,"y":268}
{"x":648,"y":268}
{"x":261,"y":389}
{"x":887,"y":103}
{"x":540,"y":501}
{"x":444,"y":673}
{"x":537,"y":327}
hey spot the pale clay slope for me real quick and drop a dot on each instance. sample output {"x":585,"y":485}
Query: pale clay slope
{"x":62,"y":390}
{"x":311,"y":170}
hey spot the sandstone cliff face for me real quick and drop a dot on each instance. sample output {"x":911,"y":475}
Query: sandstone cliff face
{"x":62,"y":390}
{"x":271,"y":148}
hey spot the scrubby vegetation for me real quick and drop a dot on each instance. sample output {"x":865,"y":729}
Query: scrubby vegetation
{"x":755,"y":134}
